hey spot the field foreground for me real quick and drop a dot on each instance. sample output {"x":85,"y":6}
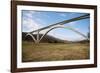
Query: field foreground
{"x":32,"y":52}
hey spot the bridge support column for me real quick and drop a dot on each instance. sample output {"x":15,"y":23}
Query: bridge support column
{"x":37,"y":37}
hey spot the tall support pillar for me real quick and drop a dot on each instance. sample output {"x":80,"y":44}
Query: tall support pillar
{"x":37,"y":37}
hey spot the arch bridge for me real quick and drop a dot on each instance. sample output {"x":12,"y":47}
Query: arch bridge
{"x":37,"y":39}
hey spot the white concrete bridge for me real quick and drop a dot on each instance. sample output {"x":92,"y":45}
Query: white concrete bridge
{"x":37,"y":39}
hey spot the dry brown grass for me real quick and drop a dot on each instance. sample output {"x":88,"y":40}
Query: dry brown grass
{"x":54,"y":51}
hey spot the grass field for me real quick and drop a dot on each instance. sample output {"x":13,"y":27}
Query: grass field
{"x":32,"y":52}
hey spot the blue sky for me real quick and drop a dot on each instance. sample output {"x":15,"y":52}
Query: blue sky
{"x":32,"y":20}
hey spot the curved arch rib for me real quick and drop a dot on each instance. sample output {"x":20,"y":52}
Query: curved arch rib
{"x":64,"y":22}
{"x":78,"y":32}
{"x":28,"y":34}
{"x":65,"y":27}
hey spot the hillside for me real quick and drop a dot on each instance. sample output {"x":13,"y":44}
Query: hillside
{"x":46,"y":39}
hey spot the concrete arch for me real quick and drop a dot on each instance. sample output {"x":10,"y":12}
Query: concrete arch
{"x":31,"y":36}
{"x":70,"y":28}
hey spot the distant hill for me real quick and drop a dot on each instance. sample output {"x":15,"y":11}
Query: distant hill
{"x":83,"y":41}
{"x":46,"y":39}
{"x":50,"y":39}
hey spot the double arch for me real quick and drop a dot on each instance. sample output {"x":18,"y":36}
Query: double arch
{"x":61,"y":26}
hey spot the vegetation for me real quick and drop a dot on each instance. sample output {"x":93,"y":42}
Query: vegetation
{"x":32,"y":52}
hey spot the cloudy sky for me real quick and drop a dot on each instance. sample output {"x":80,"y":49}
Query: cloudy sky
{"x":32,"y":20}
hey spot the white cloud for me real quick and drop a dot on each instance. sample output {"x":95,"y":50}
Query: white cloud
{"x":28,"y":14}
{"x":30,"y":25}
{"x":40,"y":21}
